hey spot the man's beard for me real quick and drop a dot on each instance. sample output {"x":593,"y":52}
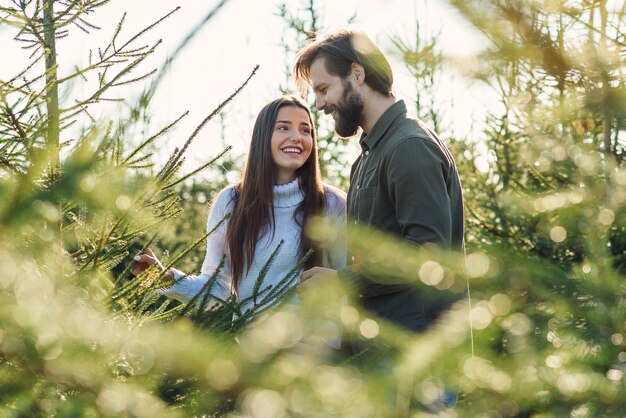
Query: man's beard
{"x":348,"y":111}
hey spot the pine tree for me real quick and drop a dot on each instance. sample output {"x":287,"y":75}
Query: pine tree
{"x":545,"y":258}
{"x":549,"y":211}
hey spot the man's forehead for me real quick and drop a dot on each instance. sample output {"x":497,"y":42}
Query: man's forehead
{"x":318,"y":72}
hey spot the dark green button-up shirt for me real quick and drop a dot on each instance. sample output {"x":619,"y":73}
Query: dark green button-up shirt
{"x":405,"y":182}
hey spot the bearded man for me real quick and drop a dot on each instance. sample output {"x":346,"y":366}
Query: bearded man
{"x":404,"y":182}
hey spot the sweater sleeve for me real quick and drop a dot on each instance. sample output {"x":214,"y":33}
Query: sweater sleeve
{"x":185,"y":286}
{"x":335,"y":249}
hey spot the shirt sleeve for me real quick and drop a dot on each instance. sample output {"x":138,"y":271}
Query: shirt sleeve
{"x":186,"y":286}
{"x":416,"y":182}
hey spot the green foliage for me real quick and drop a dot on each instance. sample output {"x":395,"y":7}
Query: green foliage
{"x":542,"y":335}
{"x":549,"y":208}
{"x":424,"y":61}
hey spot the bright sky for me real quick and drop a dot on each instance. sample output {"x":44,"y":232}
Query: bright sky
{"x":243,"y":34}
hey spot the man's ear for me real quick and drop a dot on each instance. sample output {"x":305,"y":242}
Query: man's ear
{"x":358,"y":72}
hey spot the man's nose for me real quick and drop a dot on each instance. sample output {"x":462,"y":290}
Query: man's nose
{"x":320,"y":102}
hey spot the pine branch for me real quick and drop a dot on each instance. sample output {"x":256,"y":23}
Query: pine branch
{"x":106,"y":85}
{"x":14,"y":122}
{"x":31,"y":24}
{"x":148,"y":201}
{"x":197,"y":242}
{"x":7,"y":163}
{"x":264,"y":270}
{"x":197,"y":170}
{"x":148,"y":28}
{"x":117,"y":31}
{"x":109,"y":59}
{"x":205,"y":292}
{"x":139,"y":162}
{"x":162,"y":313}
{"x":133,"y":80}
{"x":285,"y":284}
{"x":61,"y":20}
{"x":60,"y":15}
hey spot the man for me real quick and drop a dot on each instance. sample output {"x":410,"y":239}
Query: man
{"x":405,"y":181}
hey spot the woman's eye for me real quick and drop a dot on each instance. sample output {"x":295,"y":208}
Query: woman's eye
{"x":281,"y":128}
{"x":306,"y":131}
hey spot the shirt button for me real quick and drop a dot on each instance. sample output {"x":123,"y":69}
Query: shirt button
{"x":367,"y":153}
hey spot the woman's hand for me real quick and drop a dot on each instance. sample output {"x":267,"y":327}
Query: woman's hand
{"x":315,"y":275}
{"x":145,"y":260}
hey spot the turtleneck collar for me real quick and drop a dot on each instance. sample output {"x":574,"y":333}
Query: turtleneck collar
{"x":288,"y":195}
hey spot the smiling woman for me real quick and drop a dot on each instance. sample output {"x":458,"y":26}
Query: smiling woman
{"x":280,"y":191}
{"x":292,"y":142}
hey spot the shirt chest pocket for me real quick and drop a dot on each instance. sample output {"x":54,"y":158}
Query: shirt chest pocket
{"x":367,"y":204}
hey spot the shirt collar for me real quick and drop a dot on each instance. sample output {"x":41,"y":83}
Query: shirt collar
{"x":369,"y":141}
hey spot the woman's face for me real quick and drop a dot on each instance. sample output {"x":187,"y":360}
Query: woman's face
{"x":292,"y":142}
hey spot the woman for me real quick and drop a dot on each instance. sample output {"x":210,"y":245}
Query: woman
{"x":280,"y":191}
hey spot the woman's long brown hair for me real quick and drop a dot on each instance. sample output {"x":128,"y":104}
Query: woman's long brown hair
{"x":253,"y":213}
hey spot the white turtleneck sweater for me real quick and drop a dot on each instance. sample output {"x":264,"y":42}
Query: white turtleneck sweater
{"x":286,"y":200}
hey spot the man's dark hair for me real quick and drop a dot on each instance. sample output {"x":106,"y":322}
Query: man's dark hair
{"x":339,"y":50}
